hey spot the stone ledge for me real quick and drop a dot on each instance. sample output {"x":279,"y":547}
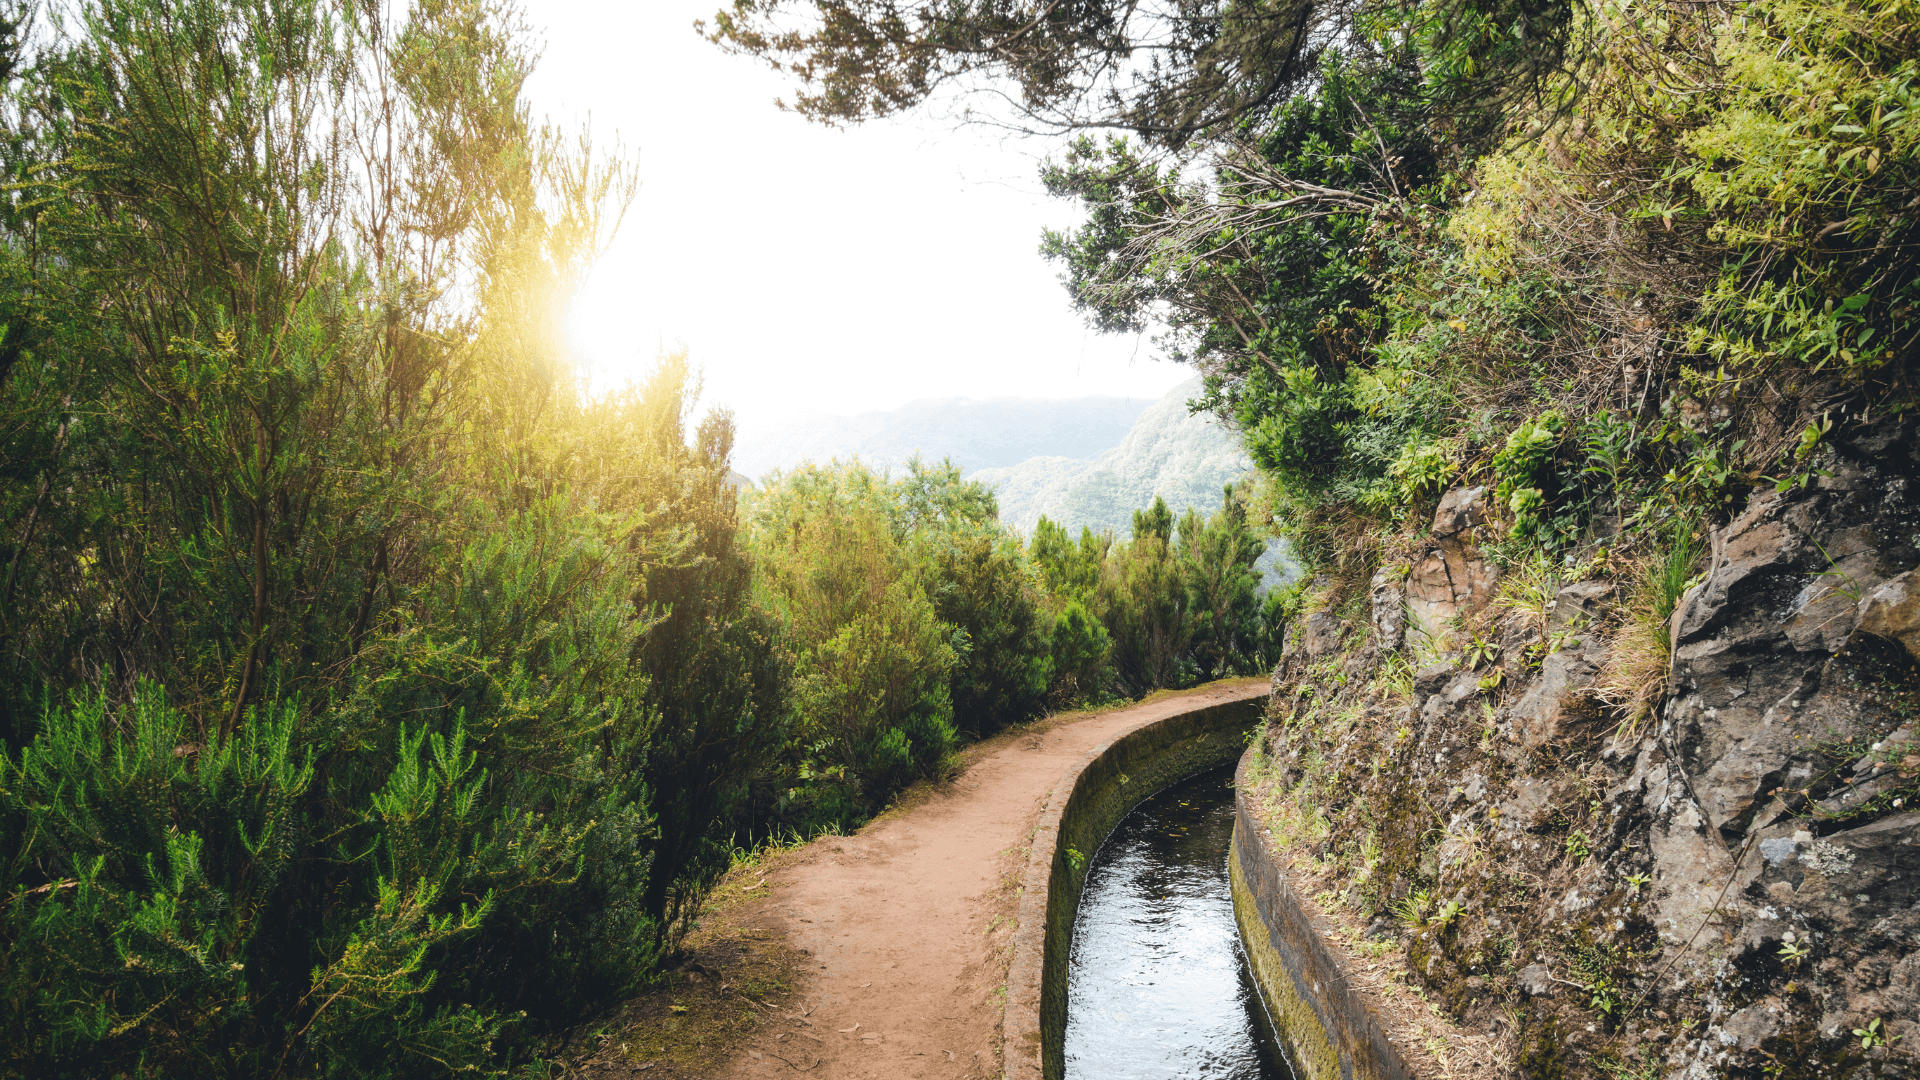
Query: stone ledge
{"x":1327,"y":1027}
{"x":1083,"y":808}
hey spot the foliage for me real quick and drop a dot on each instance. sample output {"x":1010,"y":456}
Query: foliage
{"x":1523,"y":467}
{"x":978,"y":577}
{"x":338,"y":743}
{"x":871,"y":706}
{"x":1175,"y":73}
{"x":914,"y":617}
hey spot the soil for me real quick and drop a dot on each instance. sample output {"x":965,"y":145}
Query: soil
{"x":889,"y":947}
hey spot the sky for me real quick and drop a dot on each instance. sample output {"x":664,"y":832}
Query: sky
{"x":807,"y":268}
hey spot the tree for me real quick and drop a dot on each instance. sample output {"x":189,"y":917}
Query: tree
{"x":1173,"y":73}
{"x":1219,"y":556}
{"x":872,"y":661}
{"x":974,"y":570}
{"x":331,"y":735}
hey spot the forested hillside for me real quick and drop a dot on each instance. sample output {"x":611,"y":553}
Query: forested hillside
{"x":1168,"y":453}
{"x":376,"y":700}
{"x":1574,"y":341}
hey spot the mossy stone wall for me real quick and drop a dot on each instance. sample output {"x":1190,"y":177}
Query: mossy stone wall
{"x":1133,"y":767}
{"x":1327,"y":1029}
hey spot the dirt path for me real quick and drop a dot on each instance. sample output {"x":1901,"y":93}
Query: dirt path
{"x":905,"y":925}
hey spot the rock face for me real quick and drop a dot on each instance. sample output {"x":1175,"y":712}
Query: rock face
{"x":1388,"y":593}
{"x":1793,"y":692}
{"x":1730,"y":891}
{"x":1451,"y":575}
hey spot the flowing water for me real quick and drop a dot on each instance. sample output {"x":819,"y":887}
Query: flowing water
{"x":1159,"y":987}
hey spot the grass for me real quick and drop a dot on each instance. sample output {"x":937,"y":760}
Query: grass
{"x":1528,"y":588}
{"x":1673,"y":571}
{"x":1639,"y":651}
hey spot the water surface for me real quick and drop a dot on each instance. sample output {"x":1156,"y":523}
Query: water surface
{"x":1159,"y":987}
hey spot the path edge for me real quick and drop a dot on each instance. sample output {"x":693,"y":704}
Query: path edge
{"x":1083,"y":807}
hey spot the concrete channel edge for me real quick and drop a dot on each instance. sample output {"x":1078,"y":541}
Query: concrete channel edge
{"x":1328,"y":1029}
{"x":1083,"y":808}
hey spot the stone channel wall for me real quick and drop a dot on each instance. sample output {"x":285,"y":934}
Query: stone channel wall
{"x":1083,"y":809}
{"x":1326,"y":1027}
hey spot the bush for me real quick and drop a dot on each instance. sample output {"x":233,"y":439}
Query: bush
{"x":872,"y":707}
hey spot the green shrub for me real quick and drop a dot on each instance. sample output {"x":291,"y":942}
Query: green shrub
{"x":1525,"y":470}
{"x":872,"y":704}
{"x":1080,"y":648}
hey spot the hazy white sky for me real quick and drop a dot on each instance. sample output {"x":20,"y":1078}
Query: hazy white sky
{"x":805,"y":267}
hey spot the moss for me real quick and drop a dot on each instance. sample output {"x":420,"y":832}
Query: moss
{"x":1542,"y":1051}
{"x":1309,"y":1049}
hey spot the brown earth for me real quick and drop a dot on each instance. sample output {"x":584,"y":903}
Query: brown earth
{"x":891,"y":944}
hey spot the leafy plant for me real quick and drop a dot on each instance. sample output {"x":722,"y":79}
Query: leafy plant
{"x":1874,"y":1035}
{"x":1411,"y":909}
{"x":1794,"y":953}
{"x":1578,"y":846}
{"x":1422,"y":469}
{"x":1523,"y":467}
{"x":1480,"y":650}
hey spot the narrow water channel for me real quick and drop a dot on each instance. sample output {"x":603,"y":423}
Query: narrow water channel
{"x":1159,"y":986}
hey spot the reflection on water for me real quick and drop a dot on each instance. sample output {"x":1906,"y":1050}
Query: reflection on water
{"x":1159,"y":986}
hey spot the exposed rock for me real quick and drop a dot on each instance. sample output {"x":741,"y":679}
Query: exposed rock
{"x":1562,"y":696}
{"x":1530,"y":806}
{"x":1534,"y":981}
{"x":1750,"y":1027}
{"x":1892,"y":611}
{"x":1324,"y":633}
{"x":1389,"y":595}
{"x":1451,"y":575}
{"x":1580,"y":605}
{"x":1749,"y":862}
{"x":1460,"y":509}
{"x":1429,"y":679}
{"x":1755,"y":676}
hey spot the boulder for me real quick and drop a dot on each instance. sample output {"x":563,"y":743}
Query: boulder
{"x":1451,"y":576}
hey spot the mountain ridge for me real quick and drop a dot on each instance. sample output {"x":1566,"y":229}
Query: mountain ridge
{"x":975,"y":433}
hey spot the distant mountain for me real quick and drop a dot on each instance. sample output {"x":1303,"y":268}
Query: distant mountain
{"x":1169,"y":452}
{"x":976,"y":434}
{"x":1086,"y":461}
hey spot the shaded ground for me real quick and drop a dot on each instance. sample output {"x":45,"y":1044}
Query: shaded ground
{"x":879,"y":955}
{"x":735,"y":981}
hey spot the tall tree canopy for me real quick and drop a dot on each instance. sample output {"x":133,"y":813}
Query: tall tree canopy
{"x":1173,"y":72}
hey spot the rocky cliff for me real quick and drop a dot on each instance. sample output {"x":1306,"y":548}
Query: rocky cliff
{"x":1711,"y":870}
